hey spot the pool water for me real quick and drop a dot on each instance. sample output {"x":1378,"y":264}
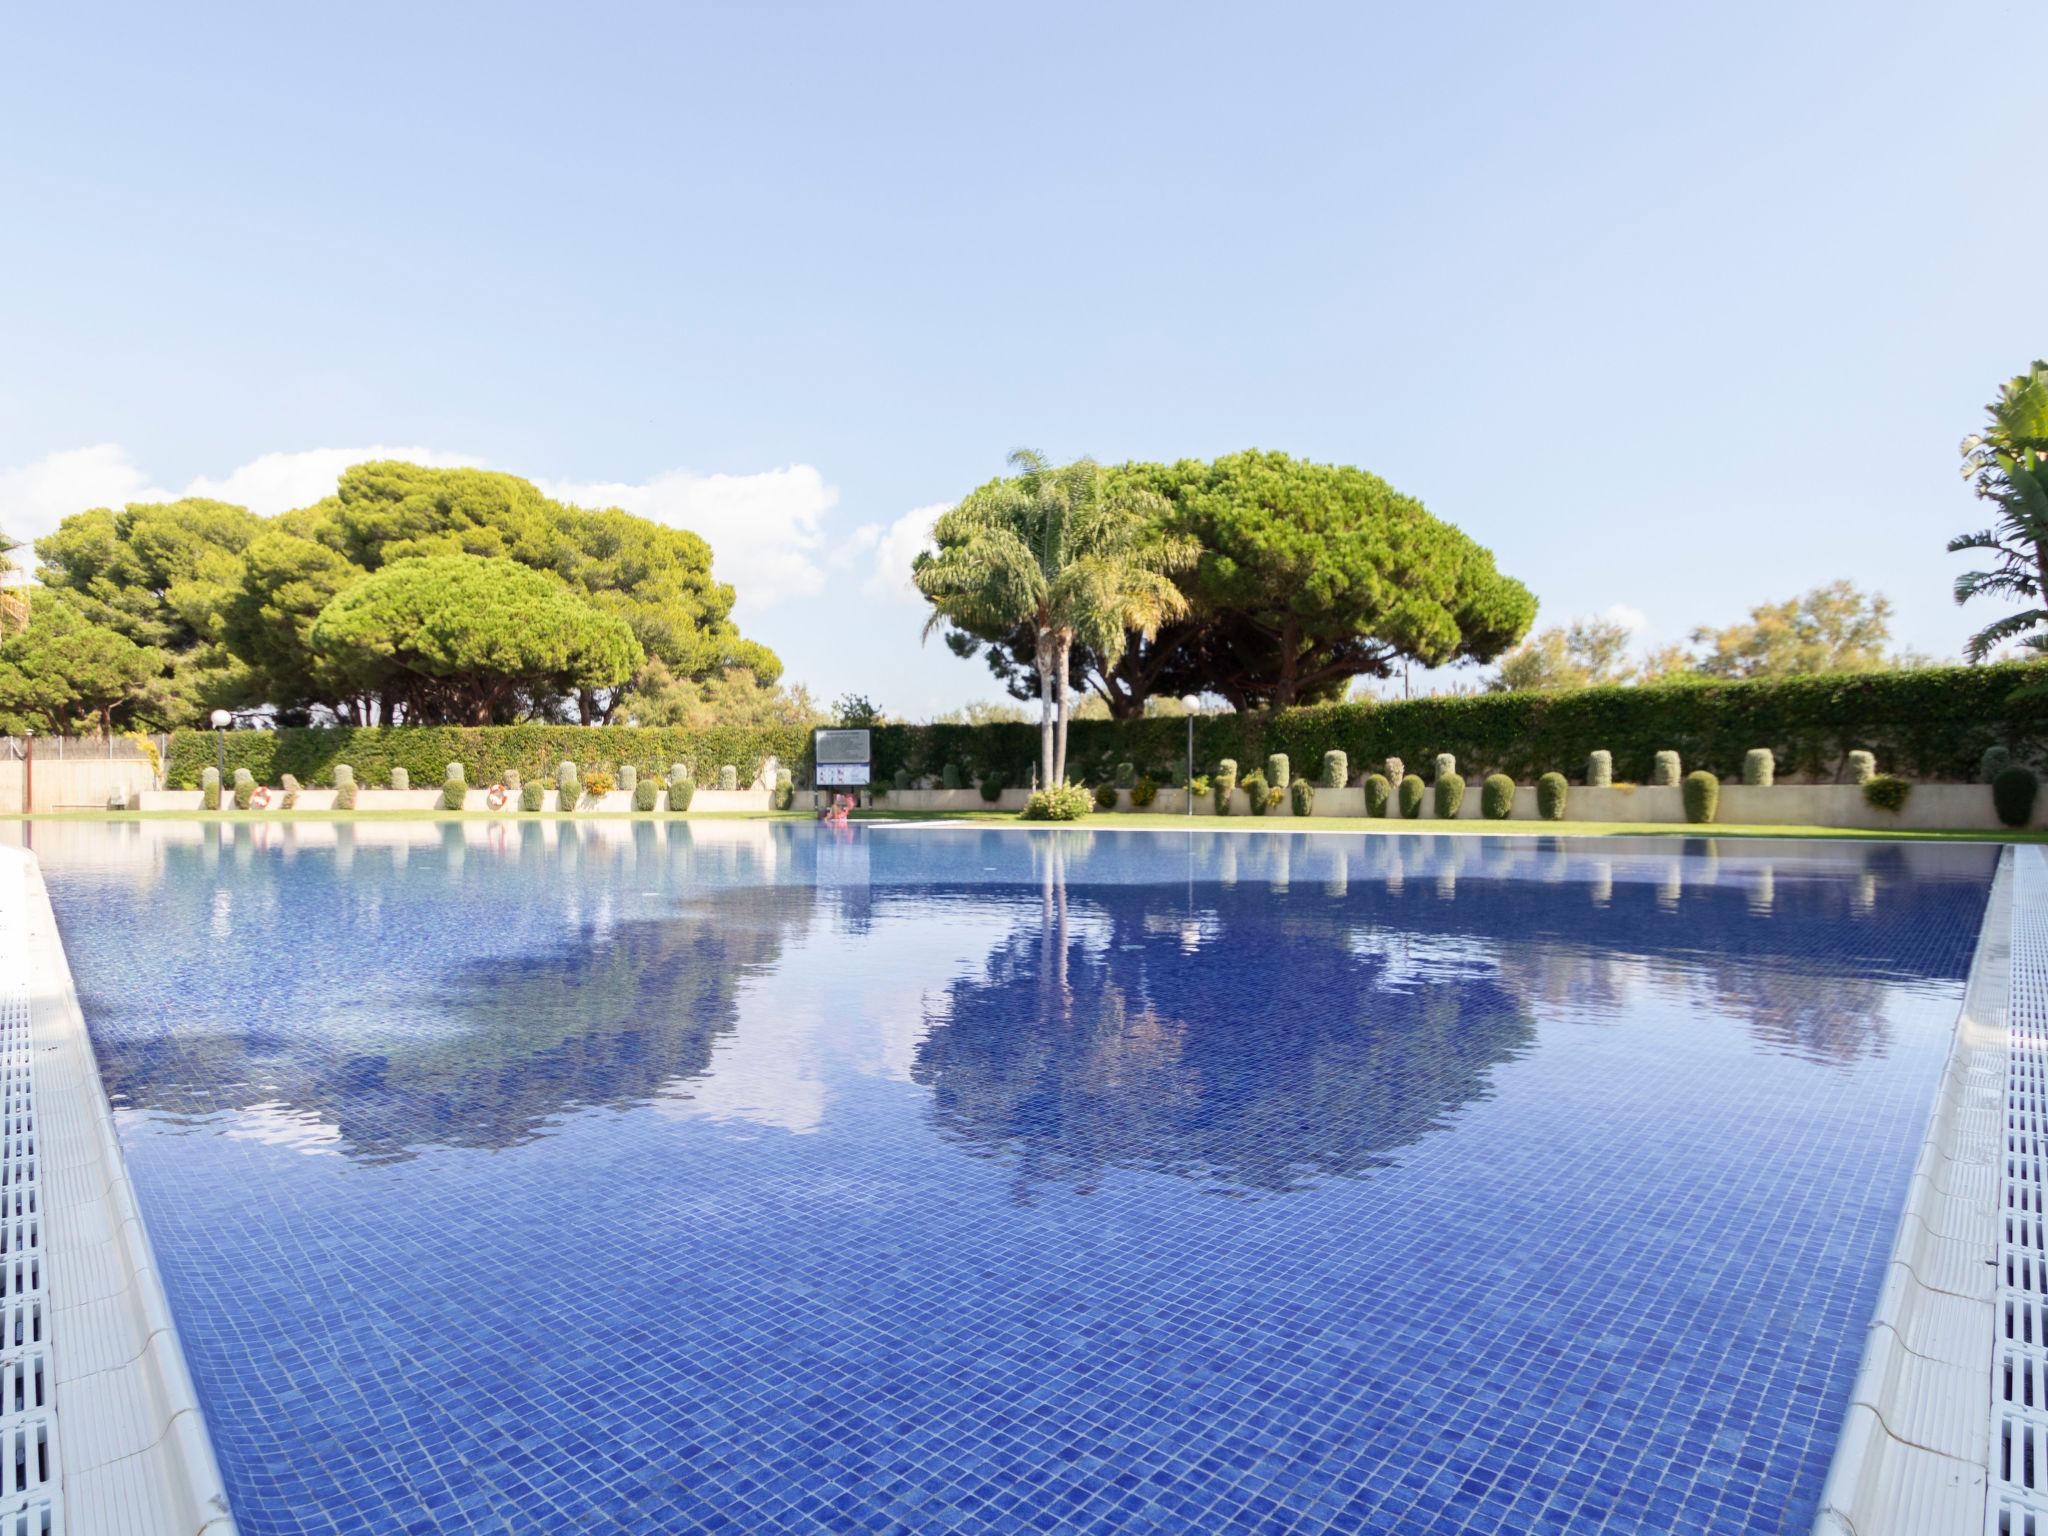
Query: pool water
{"x":762,"y":1177}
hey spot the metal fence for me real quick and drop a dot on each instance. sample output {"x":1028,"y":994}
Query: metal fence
{"x":111,"y":749}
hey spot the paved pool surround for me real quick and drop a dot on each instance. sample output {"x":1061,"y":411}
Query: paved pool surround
{"x":120,"y":1435}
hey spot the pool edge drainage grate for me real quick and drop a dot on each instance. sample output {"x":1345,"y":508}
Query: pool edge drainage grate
{"x":86,"y":1337}
{"x":1946,"y":1430}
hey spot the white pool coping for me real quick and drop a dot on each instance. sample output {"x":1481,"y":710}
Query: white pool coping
{"x":1914,"y":1457}
{"x":133,"y":1454}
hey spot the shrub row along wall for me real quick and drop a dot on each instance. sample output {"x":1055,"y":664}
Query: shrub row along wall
{"x":1931,"y":724}
{"x":485,"y":752}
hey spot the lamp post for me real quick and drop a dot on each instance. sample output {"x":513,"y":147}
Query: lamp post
{"x":221,"y":721}
{"x":1190,"y":704}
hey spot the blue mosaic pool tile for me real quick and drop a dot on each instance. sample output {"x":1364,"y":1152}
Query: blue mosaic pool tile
{"x":753,"y":1177}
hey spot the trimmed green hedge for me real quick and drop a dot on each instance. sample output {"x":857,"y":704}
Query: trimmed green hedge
{"x":1701,"y":792}
{"x":1497,"y":797}
{"x":487,"y":753}
{"x":1935,"y":723}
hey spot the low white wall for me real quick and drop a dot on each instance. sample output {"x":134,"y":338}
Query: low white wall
{"x":475,"y":800}
{"x":73,"y":783}
{"x":1930,"y":807}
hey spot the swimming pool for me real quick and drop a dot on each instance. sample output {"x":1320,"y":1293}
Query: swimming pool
{"x":756,"y":1176}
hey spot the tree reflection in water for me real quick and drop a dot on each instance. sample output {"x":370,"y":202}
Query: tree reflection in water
{"x":1251,"y":1045}
{"x":1252,"y":1012}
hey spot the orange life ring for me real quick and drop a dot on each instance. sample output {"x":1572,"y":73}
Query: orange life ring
{"x":261,"y":797}
{"x":497,"y":797}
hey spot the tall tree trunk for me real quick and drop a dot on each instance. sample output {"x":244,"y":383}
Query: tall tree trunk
{"x":1287,"y":688}
{"x":1059,"y":754}
{"x":1045,"y":778}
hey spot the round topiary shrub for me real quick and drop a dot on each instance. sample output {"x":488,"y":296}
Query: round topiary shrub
{"x":512,"y":780}
{"x":532,"y":796}
{"x":949,"y":776}
{"x":2012,"y":796}
{"x":991,"y":788}
{"x":1759,"y":768}
{"x":1255,"y":787}
{"x":1144,"y":792}
{"x":1410,"y":794}
{"x":681,"y":789}
{"x":729,"y":778}
{"x":1336,"y":770}
{"x":400,"y":779}
{"x":1887,"y":792}
{"x":1862,"y":767}
{"x":1450,"y":794}
{"x":1497,"y":797}
{"x":645,"y":793}
{"x":1379,"y":794}
{"x":245,"y":788}
{"x":900,"y":779}
{"x":783,"y":795}
{"x":568,"y":785}
{"x":1996,"y":760}
{"x":344,"y":787}
{"x":1702,"y":793}
{"x":1600,"y":769}
{"x":629,"y":777}
{"x":1304,"y":797}
{"x":1446,"y":762}
{"x":454,"y":788}
{"x":1063,"y":802}
{"x":1551,"y":792}
{"x":1224,"y":784}
{"x":291,"y":787}
{"x":1666,"y":770}
{"x":1279,"y":773}
{"x":209,"y":789}
{"x":1105,"y":797}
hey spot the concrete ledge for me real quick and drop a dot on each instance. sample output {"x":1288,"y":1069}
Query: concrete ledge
{"x":133,"y":1452}
{"x":1913,"y":1455}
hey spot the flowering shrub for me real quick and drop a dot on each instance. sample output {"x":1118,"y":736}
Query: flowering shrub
{"x":1062,"y":802}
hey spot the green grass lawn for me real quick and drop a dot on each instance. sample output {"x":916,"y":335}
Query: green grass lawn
{"x":1224,"y":825}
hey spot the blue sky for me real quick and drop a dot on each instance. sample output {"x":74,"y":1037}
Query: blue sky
{"x":1679,"y":309}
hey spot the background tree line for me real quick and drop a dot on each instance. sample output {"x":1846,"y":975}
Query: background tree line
{"x":411,"y":595}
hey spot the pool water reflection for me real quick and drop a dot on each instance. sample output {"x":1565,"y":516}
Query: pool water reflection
{"x":675,"y":1176}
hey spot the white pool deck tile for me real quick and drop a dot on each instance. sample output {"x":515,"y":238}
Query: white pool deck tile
{"x":1924,"y":1451}
{"x":128,"y":1449}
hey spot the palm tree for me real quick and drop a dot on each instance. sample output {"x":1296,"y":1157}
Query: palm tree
{"x":2008,"y":465}
{"x":1060,"y":551}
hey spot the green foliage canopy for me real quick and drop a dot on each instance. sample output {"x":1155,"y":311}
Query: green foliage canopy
{"x":65,"y":672}
{"x":228,"y":602}
{"x":1307,"y":575}
{"x":2007,"y":465}
{"x":467,"y":638}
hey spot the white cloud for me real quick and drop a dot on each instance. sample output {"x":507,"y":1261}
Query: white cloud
{"x":763,"y":529}
{"x":1630,"y":619}
{"x":887,"y":550}
{"x":37,"y":497}
{"x":278,"y":482}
